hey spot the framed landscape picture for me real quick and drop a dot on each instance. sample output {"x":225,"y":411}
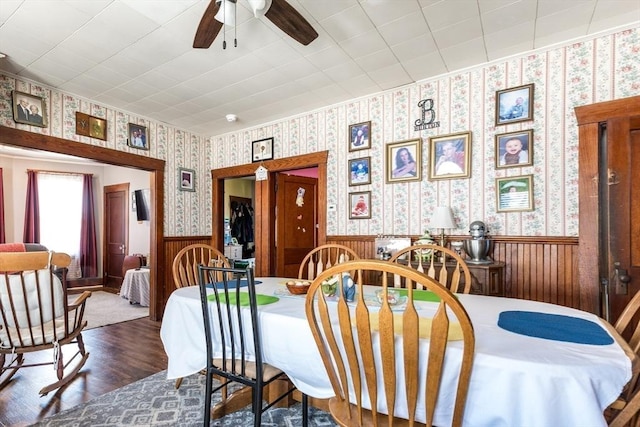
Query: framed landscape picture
{"x":514,"y":149}
{"x":514,"y":193}
{"x":450,"y":156}
{"x":359,"y":171}
{"x":514,"y":105}
{"x":404,"y":161}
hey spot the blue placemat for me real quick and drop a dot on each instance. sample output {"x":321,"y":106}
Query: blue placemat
{"x":232,"y":284}
{"x":554,"y":327}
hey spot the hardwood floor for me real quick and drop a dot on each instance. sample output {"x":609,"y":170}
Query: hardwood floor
{"x":119,"y":355}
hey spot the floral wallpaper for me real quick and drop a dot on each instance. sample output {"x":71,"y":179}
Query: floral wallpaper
{"x":595,"y":70}
{"x":581,"y":73}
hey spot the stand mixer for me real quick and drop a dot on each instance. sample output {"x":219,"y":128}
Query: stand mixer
{"x":479,"y":246}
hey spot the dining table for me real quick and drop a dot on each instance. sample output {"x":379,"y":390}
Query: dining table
{"x":535,"y":364}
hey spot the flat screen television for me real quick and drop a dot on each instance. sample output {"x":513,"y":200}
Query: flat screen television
{"x":142,"y":210}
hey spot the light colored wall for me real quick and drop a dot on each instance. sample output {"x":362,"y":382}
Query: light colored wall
{"x":578,"y":73}
{"x":238,"y":188}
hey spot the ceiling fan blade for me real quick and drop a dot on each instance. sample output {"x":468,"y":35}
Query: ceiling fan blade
{"x":285,"y":17}
{"x":208,"y":28}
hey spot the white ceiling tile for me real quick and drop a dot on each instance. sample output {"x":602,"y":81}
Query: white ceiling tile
{"x":147,"y":105}
{"x":363,"y":44}
{"x":511,"y":15}
{"x":510,"y":50}
{"x":444,"y":14}
{"x":86,"y":85}
{"x":409,"y":48}
{"x":360,"y":85}
{"x":390,"y":77}
{"x":380,"y":59}
{"x":328,"y":58}
{"x":487,"y":6}
{"x":458,"y":33}
{"x":614,"y":13}
{"x":41,"y":77}
{"x":314,"y":80}
{"x":7,"y":8}
{"x":347,"y":23}
{"x":323,"y":9}
{"x":381,"y":12}
{"x":344,"y":71}
{"x":432,"y":64}
{"x":112,"y":77}
{"x":159,"y":80}
{"x":92,"y":7}
{"x":161,"y":11}
{"x":47,"y":64}
{"x":464,"y":54}
{"x":519,"y":35}
{"x":403,"y":29}
{"x":552,"y":7}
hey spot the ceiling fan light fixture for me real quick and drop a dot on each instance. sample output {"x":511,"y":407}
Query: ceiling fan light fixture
{"x":259,"y":7}
{"x":227,"y":12}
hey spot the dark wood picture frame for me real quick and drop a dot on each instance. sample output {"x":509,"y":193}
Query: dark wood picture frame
{"x":450,"y":156}
{"x":360,"y":136}
{"x":519,"y":146}
{"x":360,"y":205}
{"x":29,"y":109}
{"x":262,"y":149}
{"x":138,"y":137}
{"x":514,"y":105}
{"x":360,"y":171}
{"x":514,"y":193}
{"x":186,"y":179}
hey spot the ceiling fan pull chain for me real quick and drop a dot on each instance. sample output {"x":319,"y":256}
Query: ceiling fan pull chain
{"x":235,"y":27}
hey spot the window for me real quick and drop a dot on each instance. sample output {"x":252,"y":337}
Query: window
{"x":60,"y":204}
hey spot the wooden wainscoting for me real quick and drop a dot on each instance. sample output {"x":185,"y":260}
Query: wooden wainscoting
{"x":536,"y":268}
{"x":173,"y":245}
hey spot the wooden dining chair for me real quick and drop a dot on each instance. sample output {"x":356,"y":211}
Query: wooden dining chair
{"x":35,"y":315}
{"x":454,"y":274}
{"x":185,"y":267}
{"x":629,"y":414}
{"x":323,"y":257}
{"x":358,"y":345}
{"x":235,"y":323}
{"x":185,"y":263}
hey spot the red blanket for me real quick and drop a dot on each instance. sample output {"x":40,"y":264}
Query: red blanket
{"x":12,"y":247}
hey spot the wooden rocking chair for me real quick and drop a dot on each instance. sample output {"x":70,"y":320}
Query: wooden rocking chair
{"x":35,"y":315}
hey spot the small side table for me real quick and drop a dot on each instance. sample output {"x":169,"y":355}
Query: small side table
{"x":487,"y":279}
{"x":135,"y":286}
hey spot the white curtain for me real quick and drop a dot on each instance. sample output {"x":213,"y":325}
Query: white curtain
{"x":60,"y":199}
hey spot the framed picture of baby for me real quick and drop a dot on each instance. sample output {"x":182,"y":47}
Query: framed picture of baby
{"x":514,"y":105}
{"x":359,"y":171}
{"x":360,"y":136}
{"x":404,"y":161}
{"x":360,"y":205}
{"x":514,"y":149}
{"x":450,"y":156}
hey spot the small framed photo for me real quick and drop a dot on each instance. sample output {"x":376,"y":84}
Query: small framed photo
{"x":450,"y":156}
{"x":404,"y":161}
{"x":514,"y":105}
{"x":82,"y":123}
{"x":359,"y":171}
{"x":186,"y":179}
{"x":360,"y":136}
{"x":97,"y":128}
{"x":262,"y":149}
{"x":514,"y":193}
{"x":29,"y":109}
{"x":360,"y":205}
{"x":514,"y":149}
{"x":138,"y":137}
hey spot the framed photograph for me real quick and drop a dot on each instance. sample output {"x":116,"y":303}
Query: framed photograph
{"x":359,"y":171}
{"x":359,"y":136}
{"x":97,"y":128}
{"x":138,"y":137}
{"x":262,"y":149}
{"x":404,"y":161}
{"x":360,"y":205}
{"x":186,"y":179}
{"x":450,"y":156}
{"x":514,"y":149}
{"x":514,"y":193}
{"x":514,"y":105}
{"x":29,"y":109}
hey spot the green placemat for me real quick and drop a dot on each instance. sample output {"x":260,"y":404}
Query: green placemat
{"x":244,"y":298}
{"x":419,"y":295}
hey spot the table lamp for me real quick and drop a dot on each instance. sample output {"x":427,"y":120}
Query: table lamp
{"x":442,"y":218}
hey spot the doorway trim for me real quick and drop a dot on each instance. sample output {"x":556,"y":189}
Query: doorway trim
{"x":264,"y":229}
{"x":22,"y":138}
{"x":589,"y":118}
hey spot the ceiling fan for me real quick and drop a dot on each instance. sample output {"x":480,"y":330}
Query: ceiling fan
{"x":281,"y":13}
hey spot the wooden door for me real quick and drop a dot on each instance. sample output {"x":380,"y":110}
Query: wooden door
{"x":116,"y":232}
{"x":620,"y":212}
{"x":296,"y":221}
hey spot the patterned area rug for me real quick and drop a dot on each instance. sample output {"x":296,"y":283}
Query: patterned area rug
{"x":154,"y":401}
{"x":105,"y":308}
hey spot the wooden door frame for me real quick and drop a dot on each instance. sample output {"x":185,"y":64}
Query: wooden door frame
{"x":589,"y":118}
{"x":38,"y":141}
{"x":264,"y":227}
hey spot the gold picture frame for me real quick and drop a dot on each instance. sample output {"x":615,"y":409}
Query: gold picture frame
{"x":450,"y":156}
{"x":360,"y":205}
{"x":514,"y":149}
{"x":404,"y":161}
{"x":514,"y":193}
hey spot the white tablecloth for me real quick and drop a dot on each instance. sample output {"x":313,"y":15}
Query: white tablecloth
{"x":517,"y":380}
{"x":135,"y":286}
